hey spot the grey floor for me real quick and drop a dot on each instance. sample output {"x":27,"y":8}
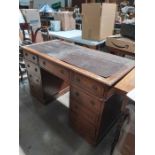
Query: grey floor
{"x":45,"y":130}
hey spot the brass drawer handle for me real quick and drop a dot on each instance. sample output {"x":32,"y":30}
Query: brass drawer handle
{"x":62,"y":71}
{"x":94,"y":87}
{"x":36,"y":69}
{"x":33,"y":57}
{"x":28,"y":65}
{"x":78,"y":79}
{"x":44,"y":63}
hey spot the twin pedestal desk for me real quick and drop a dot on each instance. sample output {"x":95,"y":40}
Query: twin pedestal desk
{"x":56,"y":67}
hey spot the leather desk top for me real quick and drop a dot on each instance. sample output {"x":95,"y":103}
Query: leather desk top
{"x":101,"y":66}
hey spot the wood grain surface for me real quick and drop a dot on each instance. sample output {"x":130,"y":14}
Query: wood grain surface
{"x":126,"y":84}
{"x":56,"y":52}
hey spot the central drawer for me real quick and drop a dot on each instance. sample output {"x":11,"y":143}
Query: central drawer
{"x":55,"y":69}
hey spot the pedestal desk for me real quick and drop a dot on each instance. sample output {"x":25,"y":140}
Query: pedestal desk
{"x":55,"y":67}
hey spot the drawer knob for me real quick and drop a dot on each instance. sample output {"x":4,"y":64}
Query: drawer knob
{"x":77,"y":94}
{"x":33,"y":57}
{"x":26,"y":54}
{"x":28,"y":65}
{"x":44,"y":63}
{"x":30,"y":75}
{"x":94,"y":87}
{"x":37,"y":80}
{"x":36,"y":69}
{"x":62,"y":71}
{"x":78,"y":79}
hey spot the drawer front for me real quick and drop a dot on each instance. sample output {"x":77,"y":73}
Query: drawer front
{"x":82,"y":127}
{"x":82,"y":112}
{"x":35,"y":86}
{"x":33,"y":58}
{"x":32,"y":69}
{"x":55,"y":69}
{"x":85,"y":100}
{"x":88,"y":84}
{"x":35,"y":82}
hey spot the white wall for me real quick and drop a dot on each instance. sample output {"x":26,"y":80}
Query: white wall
{"x":38,"y":3}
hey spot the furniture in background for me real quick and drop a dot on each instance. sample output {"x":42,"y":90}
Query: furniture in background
{"x":120,"y":45}
{"x":27,"y":37}
{"x":24,"y":39}
{"x":45,"y":20}
{"x":124,"y":139}
{"x":33,"y":36}
{"x":55,"y":67}
{"x":75,"y":36}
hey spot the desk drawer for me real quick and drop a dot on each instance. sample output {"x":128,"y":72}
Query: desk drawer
{"x":33,"y":58}
{"x":36,"y":86}
{"x":88,"y":84}
{"x":83,"y":112}
{"x":32,"y":69}
{"x":83,"y":127}
{"x":55,"y":69}
{"x":35,"y":81}
{"x":85,"y":100}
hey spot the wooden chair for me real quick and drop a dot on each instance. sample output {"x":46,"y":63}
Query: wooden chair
{"x":25,"y":37}
{"x":28,"y":36}
{"x":35,"y":36}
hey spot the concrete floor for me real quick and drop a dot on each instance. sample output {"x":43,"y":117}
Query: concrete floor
{"x":44,"y":130}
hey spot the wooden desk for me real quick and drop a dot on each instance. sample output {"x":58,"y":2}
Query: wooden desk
{"x":75,"y":36}
{"x":127,"y":83}
{"x":54,"y":67}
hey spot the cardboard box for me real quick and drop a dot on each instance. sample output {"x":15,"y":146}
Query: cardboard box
{"x":98,"y":20}
{"x":32,"y":16}
{"x":121,"y":43}
{"x":67,"y":20}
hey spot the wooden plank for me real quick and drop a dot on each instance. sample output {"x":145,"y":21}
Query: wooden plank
{"x":127,"y":83}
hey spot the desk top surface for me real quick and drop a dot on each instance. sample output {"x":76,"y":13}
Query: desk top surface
{"x":75,"y":36}
{"x":101,"y":66}
{"x":126,"y":84}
